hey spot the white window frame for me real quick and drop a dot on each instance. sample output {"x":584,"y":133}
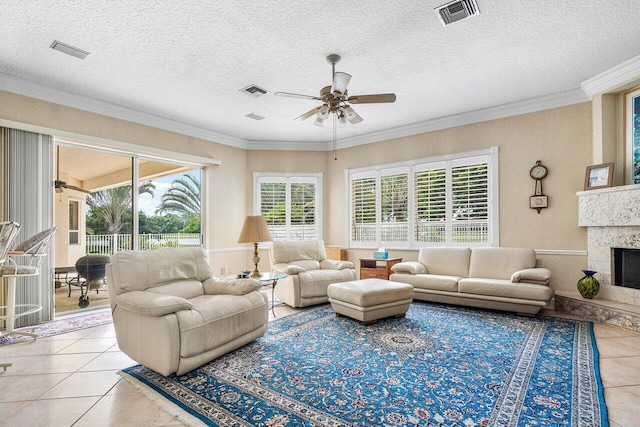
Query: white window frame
{"x":76,"y":231}
{"x":490,"y":156}
{"x":289,"y":178}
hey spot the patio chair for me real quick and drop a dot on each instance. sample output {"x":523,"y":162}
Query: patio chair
{"x":32,"y":251}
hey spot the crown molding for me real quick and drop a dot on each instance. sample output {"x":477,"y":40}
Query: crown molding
{"x":31,"y":89}
{"x":35,"y":90}
{"x":290,"y":145}
{"x":613,"y":78}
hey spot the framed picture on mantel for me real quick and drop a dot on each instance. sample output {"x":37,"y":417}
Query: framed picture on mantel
{"x":632,"y":136}
{"x":598,"y":176}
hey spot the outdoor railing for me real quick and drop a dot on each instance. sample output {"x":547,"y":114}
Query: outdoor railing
{"x":472,"y":231}
{"x":112,"y":243}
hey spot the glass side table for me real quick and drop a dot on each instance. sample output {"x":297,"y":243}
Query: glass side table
{"x":270,"y":278}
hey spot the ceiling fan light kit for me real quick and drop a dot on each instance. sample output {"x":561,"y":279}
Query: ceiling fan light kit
{"x":335,"y":99}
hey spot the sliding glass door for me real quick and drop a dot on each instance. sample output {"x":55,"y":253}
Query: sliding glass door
{"x":108,"y":201}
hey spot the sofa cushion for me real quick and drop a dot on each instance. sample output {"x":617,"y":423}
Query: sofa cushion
{"x":540,"y":276}
{"x":314,"y":283}
{"x":500,"y":263}
{"x":446,"y":261}
{"x":505,"y":288}
{"x":286,"y":268}
{"x":411,"y":267}
{"x":215,"y":320}
{"x":150,"y":304}
{"x":182,"y":288}
{"x":306,"y":264}
{"x":139,"y":270}
{"x":434,"y":282}
{"x":219,"y":286}
{"x":287,"y":251}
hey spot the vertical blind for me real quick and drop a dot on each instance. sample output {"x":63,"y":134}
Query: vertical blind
{"x":28,"y":200}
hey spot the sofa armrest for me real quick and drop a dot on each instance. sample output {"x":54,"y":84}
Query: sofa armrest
{"x":539,"y":276}
{"x":152,"y":304}
{"x":332,"y":264}
{"x":287,"y":268}
{"x":410,"y":267}
{"x":218,"y":286}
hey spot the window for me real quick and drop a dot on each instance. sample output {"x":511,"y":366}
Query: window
{"x":428,"y":202}
{"x":291,"y":204}
{"x":74,"y":227}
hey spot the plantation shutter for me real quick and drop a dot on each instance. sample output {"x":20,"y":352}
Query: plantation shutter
{"x":363,"y":208}
{"x":470,"y":203}
{"x":394,"y":205}
{"x":448,"y":201}
{"x":273,"y":207}
{"x":303,"y":211}
{"x":290,"y":205}
{"x":430,"y":202}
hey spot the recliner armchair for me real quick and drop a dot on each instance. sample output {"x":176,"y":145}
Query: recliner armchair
{"x":308,"y":270}
{"x":170,"y":315}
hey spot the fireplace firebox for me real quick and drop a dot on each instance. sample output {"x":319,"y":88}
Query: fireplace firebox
{"x":626,"y":263}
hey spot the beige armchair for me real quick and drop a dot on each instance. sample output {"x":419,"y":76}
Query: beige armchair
{"x":170,"y":315}
{"x":308,"y":270}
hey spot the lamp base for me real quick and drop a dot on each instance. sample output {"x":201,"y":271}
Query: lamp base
{"x":255,"y":260}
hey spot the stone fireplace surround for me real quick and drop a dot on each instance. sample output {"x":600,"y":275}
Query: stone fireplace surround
{"x":612,"y":216}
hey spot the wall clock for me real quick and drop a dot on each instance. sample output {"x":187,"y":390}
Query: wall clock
{"x":538,"y":201}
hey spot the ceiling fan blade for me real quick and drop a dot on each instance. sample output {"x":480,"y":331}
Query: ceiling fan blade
{"x":340,"y":82}
{"x":296,"y":95}
{"x":307,"y":114}
{"x":59,"y":185}
{"x":372,"y":99}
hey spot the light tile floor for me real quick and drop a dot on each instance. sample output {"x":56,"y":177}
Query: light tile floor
{"x":71,"y":380}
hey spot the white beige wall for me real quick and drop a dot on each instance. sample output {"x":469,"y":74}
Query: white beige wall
{"x":561,"y":138}
{"x":225,"y":184}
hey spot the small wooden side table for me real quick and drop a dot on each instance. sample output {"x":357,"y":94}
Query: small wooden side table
{"x":377,"y":268}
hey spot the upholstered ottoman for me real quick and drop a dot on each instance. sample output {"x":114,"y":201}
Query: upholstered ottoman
{"x":370,"y":299}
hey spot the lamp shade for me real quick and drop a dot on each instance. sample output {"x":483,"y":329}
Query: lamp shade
{"x":254,"y":230}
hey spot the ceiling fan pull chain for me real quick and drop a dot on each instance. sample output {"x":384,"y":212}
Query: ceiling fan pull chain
{"x":335,"y":137}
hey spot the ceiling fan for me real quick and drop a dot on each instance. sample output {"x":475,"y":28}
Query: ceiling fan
{"x":335,"y":98}
{"x":61,"y":185}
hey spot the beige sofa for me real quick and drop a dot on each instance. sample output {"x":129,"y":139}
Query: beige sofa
{"x":496,"y":278}
{"x":308,"y":270}
{"x":170,"y":315}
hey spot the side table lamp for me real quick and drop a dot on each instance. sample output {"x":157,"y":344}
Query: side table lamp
{"x":255,"y":230}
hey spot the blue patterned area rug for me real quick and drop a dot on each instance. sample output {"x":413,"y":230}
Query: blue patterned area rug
{"x":439,"y":366}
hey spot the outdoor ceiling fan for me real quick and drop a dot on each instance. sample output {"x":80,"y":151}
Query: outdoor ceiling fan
{"x":61,"y":185}
{"x":335,"y":99}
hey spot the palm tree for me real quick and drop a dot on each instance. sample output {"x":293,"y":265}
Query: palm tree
{"x":182,"y":198}
{"x":112,"y":204}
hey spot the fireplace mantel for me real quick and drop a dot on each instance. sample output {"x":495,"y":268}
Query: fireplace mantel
{"x":612,"y":216}
{"x":610,"y":207}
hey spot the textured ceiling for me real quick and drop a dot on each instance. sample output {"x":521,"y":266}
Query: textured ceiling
{"x":187,"y":60}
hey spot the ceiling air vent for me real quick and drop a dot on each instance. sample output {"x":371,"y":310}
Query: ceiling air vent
{"x":254,"y":116}
{"x":457,"y":10}
{"x":69,"y":50}
{"x":254,"y":90}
